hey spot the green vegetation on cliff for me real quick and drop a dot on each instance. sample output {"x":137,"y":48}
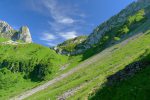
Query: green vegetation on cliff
{"x":134,"y":24}
{"x":70,"y":45}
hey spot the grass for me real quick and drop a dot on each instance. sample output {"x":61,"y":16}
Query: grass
{"x":32,"y":63}
{"x":17,"y":58}
{"x":93,"y":75}
{"x":134,"y":88}
{"x":3,"y":39}
{"x":25,"y":53}
{"x":21,"y":86}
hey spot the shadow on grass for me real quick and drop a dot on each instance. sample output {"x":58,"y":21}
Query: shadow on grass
{"x":131,"y":83}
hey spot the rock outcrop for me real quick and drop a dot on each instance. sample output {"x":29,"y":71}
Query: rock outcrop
{"x":5,"y":27}
{"x":68,"y":47}
{"x":6,"y":31}
{"x":113,"y":22}
{"x":24,"y":34}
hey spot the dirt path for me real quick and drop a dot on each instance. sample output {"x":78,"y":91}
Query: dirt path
{"x":59,"y":78}
{"x":44,"y":86}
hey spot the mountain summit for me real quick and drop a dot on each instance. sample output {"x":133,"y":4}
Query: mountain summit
{"x":25,"y":34}
{"x":5,"y":27}
{"x":6,"y":31}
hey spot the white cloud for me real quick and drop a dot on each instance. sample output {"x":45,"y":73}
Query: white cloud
{"x":48,"y":37}
{"x":58,"y":12}
{"x":66,"y":21}
{"x":55,"y":26}
{"x":51,"y":44}
{"x":68,"y":35}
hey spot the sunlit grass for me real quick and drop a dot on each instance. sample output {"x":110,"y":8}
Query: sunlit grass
{"x":107,"y":63}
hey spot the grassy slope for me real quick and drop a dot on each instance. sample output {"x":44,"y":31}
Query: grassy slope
{"x":89,"y":77}
{"x":120,"y":33}
{"x":13,"y":83}
{"x":28,"y":51}
{"x":3,"y":39}
{"x":94,"y":75}
{"x":134,"y":88}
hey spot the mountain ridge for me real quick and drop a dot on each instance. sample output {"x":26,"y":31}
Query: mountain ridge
{"x":116,"y":21}
{"x":23,"y":34}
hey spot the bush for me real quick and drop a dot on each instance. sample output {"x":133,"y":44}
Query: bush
{"x":131,"y":21}
{"x":124,"y":29}
{"x":139,"y":16}
{"x":8,"y":79}
{"x":41,"y":71}
{"x":116,"y":38}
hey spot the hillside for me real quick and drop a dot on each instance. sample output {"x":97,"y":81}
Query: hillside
{"x":7,"y":32}
{"x":112,"y":61}
{"x":93,"y":72}
{"x":116,"y":29}
{"x":25,"y":65}
{"x":69,"y":46}
{"x":136,"y":87}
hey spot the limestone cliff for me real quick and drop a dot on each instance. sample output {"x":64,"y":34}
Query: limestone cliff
{"x":6,"y":31}
{"x":24,"y":34}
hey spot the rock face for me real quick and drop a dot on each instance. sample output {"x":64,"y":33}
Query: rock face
{"x":116,"y":20}
{"x":68,"y":47}
{"x":24,"y":34}
{"x":5,"y":27}
{"x":6,"y":31}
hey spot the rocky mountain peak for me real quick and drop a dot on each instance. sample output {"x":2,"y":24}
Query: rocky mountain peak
{"x":25,"y":34}
{"x":6,"y":31}
{"x":5,"y":27}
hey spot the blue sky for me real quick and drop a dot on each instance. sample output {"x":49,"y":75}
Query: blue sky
{"x":53,"y":21}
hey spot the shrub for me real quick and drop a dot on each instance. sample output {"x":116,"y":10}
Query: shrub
{"x":124,"y":30}
{"x":131,"y":21}
{"x":116,"y":38}
{"x":8,"y":79}
{"x":139,"y":16}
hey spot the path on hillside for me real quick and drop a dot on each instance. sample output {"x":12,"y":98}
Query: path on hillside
{"x":61,"y":77}
{"x":84,"y":64}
